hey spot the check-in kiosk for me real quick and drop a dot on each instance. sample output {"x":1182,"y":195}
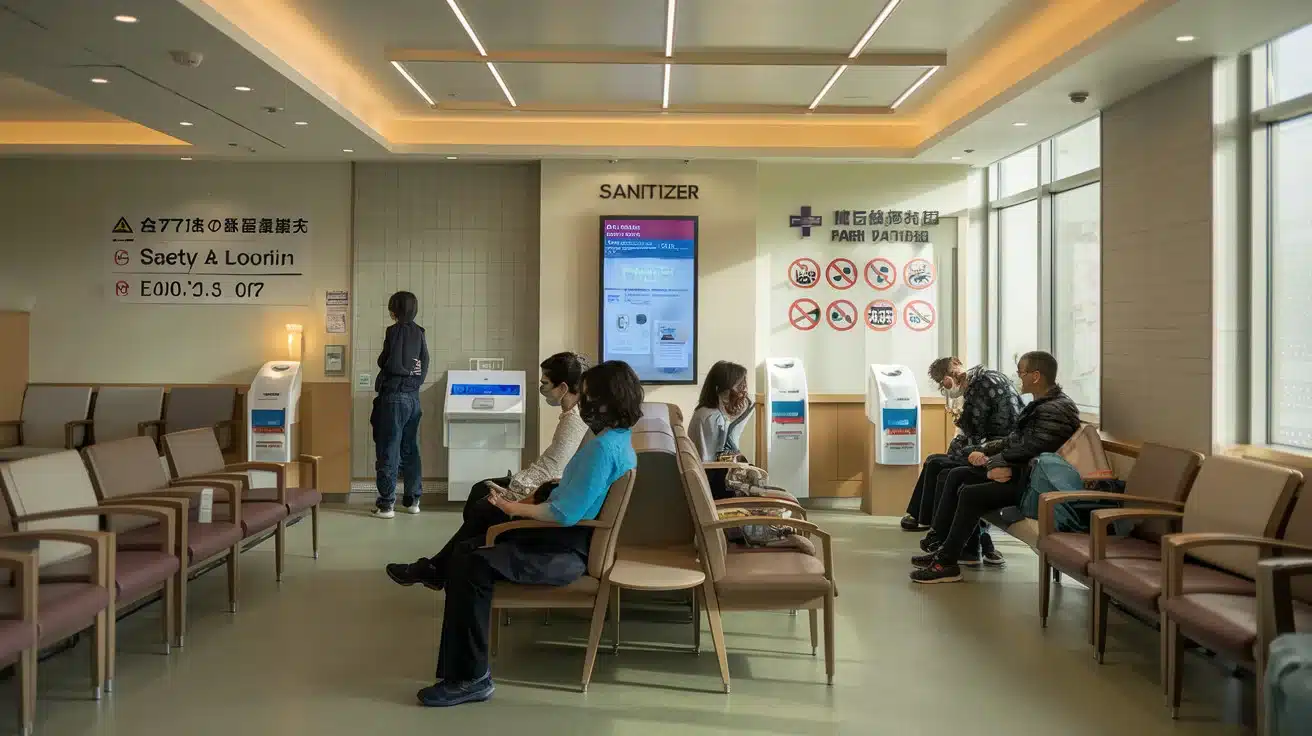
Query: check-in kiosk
{"x":788,"y":458}
{"x":893,"y":408}
{"x":271,"y":412}
{"x":483,"y":422}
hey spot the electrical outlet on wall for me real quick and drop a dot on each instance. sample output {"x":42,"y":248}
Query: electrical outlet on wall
{"x":487,"y":364}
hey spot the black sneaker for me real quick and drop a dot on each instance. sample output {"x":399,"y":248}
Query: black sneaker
{"x":910,"y":524}
{"x":994,"y":559}
{"x":967,"y":559}
{"x":925,"y":560}
{"x":419,"y":572}
{"x":937,"y":573}
{"x":930,"y":543}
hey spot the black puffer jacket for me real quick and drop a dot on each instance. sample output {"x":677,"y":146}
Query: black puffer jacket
{"x":403,"y":363}
{"x":1044,"y":426}
{"x":988,"y":410}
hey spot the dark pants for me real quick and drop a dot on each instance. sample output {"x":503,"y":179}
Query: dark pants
{"x":395,"y":421}
{"x":479,"y":516}
{"x":967,"y":495}
{"x":466,"y":616}
{"x":717,"y":479}
{"x":925,"y":495}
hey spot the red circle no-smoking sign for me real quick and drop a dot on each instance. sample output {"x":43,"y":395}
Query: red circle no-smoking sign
{"x":121,"y":288}
{"x":804,"y":314}
{"x":121,"y":257}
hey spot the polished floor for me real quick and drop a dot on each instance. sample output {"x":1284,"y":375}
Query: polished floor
{"x":339,"y":649}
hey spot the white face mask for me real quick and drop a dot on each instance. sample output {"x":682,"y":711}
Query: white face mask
{"x":550,"y":395}
{"x":955,"y":392}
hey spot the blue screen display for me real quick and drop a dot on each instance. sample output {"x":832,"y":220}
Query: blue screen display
{"x":899,"y":419}
{"x":649,"y":296}
{"x":484,"y":389}
{"x":268,"y":417}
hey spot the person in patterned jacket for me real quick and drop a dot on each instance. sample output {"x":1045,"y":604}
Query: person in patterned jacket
{"x":989,"y":409}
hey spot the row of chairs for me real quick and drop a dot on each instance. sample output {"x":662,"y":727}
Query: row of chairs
{"x":1196,"y":561}
{"x":669,"y":493}
{"x":58,"y":418}
{"x":89,"y":534}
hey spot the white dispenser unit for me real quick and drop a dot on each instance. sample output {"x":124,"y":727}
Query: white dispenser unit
{"x":484,"y":427}
{"x":788,"y":457}
{"x":271,"y":414}
{"x":893,"y":407}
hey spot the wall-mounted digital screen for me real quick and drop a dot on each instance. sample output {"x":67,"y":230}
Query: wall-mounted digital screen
{"x":649,"y":296}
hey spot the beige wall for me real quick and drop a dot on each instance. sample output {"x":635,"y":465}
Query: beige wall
{"x":1158,"y":371}
{"x":57,"y":215}
{"x":570,"y":255}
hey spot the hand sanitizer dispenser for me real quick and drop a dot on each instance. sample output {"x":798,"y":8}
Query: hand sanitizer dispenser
{"x":893,"y":407}
{"x":786,"y":440}
{"x":271,"y":413}
{"x":484,"y":427}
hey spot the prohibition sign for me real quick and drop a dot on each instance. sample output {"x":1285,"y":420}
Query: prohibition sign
{"x":881,"y":315}
{"x":121,"y":288}
{"x":881,"y":274}
{"x":841,"y":274}
{"x":919,"y":315}
{"x":918,"y":273}
{"x":804,"y":273}
{"x":841,"y":315}
{"x":121,"y":257}
{"x":804,"y":314}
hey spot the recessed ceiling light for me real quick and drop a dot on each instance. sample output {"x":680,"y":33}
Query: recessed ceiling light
{"x":126,"y":18}
{"x":186,"y":124}
{"x":301,"y":122}
{"x":348,"y":150}
{"x":99,"y":80}
{"x":1020,"y":125}
{"x":956,"y":158}
{"x":242,"y":88}
{"x":1184,"y":39}
{"x":186,"y":158}
{"x":451,"y":158}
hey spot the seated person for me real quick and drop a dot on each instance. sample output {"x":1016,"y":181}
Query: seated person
{"x":717,"y":424}
{"x":610,"y":403}
{"x":997,"y":473}
{"x":989,"y":408}
{"x":559,"y":385}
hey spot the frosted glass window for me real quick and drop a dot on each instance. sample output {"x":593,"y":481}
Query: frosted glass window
{"x":1291,"y":299}
{"x":1018,"y":283}
{"x":1077,"y":292}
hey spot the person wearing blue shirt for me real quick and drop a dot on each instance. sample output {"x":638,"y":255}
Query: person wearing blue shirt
{"x":610,"y":403}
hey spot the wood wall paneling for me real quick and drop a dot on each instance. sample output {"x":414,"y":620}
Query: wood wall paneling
{"x":13,"y":363}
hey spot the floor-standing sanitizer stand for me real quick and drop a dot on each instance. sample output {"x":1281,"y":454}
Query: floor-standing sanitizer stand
{"x":893,"y":408}
{"x":484,"y":422}
{"x":786,"y":443}
{"x":271,"y":416}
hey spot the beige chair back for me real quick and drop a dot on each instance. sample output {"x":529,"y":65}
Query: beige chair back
{"x":46,"y":409}
{"x":1236,"y":496}
{"x":714,"y":545}
{"x":125,"y":467}
{"x":193,"y":452}
{"x":120,"y":410}
{"x":1161,"y":472}
{"x":601,"y":551}
{"x":44,"y":483}
{"x":658,"y":497}
{"x":196,"y":407}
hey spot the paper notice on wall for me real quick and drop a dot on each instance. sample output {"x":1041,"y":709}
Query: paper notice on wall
{"x":336,"y":306}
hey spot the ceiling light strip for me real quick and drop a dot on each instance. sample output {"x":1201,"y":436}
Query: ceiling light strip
{"x":825,"y":90}
{"x":669,"y":27}
{"x":665,"y":89}
{"x":915,"y":86}
{"x":502,"y":84}
{"x":414,"y":84}
{"x":879,"y":21}
{"x":469,"y":30}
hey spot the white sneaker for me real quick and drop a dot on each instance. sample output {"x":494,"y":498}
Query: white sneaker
{"x":411,"y":509}
{"x":384,"y":514}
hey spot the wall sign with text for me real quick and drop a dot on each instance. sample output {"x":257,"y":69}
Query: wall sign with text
{"x":648,"y":191}
{"x":157,"y":259}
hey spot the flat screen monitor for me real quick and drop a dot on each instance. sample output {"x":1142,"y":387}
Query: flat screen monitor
{"x":649,"y":296}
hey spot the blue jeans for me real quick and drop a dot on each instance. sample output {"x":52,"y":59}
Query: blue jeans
{"x":395,"y":420}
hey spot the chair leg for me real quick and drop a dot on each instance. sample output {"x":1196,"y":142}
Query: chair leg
{"x":1100,"y":625}
{"x":180,"y":608}
{"x":279,"y":549}
{"x":111,"y":646}
{"x":615,"y":622}
{"x":1175,"y":668}
{"x":717,"y":631}
{"x":168,"y":612}
{"x":696,"y":621}
{"x":829,"y":637}
{"x":495,"y":634}
{"x":815,"y":630}
{"x":234,"y":576}
{"x":1045,"y":589}
{"x":100,"y":632}
{"x":314,"y":530}
{"x":594,"y":632}
{"x":1094,"y":588}
{"x":27,"y":684}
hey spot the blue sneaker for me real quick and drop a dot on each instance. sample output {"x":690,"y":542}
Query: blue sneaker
{"x":446,"y":694}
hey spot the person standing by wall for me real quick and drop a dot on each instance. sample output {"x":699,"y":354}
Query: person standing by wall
{"x":402,"y":368}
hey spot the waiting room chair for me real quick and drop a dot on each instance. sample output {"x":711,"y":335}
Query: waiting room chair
{"x":129,"y":471}
{"x":54,"y":419}
{"x":53,"y":492}
{"x":1229,"y":496}
{"x":195,"y":455}
{"x":780,"y":581}
{"x":1161,"y":478}
{"x":203,"y":407}
{"x":18,"y":626}
{"x":126,"y":411}
{"x":1236,"y":626}
{"x":1287,"y":695}
{"x":589,"y":591}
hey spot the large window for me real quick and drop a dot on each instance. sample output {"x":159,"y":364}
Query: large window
{"x":1045,"y":208}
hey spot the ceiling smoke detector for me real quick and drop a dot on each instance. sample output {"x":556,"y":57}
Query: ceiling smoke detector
{"x":271,"y":109}
{"x":191,"y":59}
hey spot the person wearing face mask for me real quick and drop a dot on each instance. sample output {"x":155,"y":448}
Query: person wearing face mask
{"x":610,"y":403}
{"x":997,"y":474}
{"x":989,"y":407}
{"x":559,"y":386}
{"x":402,"y":369}
{"x":717,"y":424}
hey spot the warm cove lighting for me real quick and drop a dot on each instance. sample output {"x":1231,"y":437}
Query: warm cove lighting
{"x":857,"y":49}
{"x":414,"y":84}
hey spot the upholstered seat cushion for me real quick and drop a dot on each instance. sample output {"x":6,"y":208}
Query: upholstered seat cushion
{"x":298,"y":499}
{"x":1139,"y":582}
{"x":62,"y":608}
{"x":781,"y":573}
{"x":136,"y":571}
{"x":203,"y":540}
{"x":580,"y":593}
{"x":15,"y":636}
{"x":256,"y":516}
{"x":1070,"y":551}
{"x":790,"y":543}
{"x":1226,"y":623}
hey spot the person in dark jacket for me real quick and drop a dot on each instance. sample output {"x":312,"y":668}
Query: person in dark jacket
{"x":402,"y":368}
{"x":998,"y":471}
{"x":989,"y":409}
